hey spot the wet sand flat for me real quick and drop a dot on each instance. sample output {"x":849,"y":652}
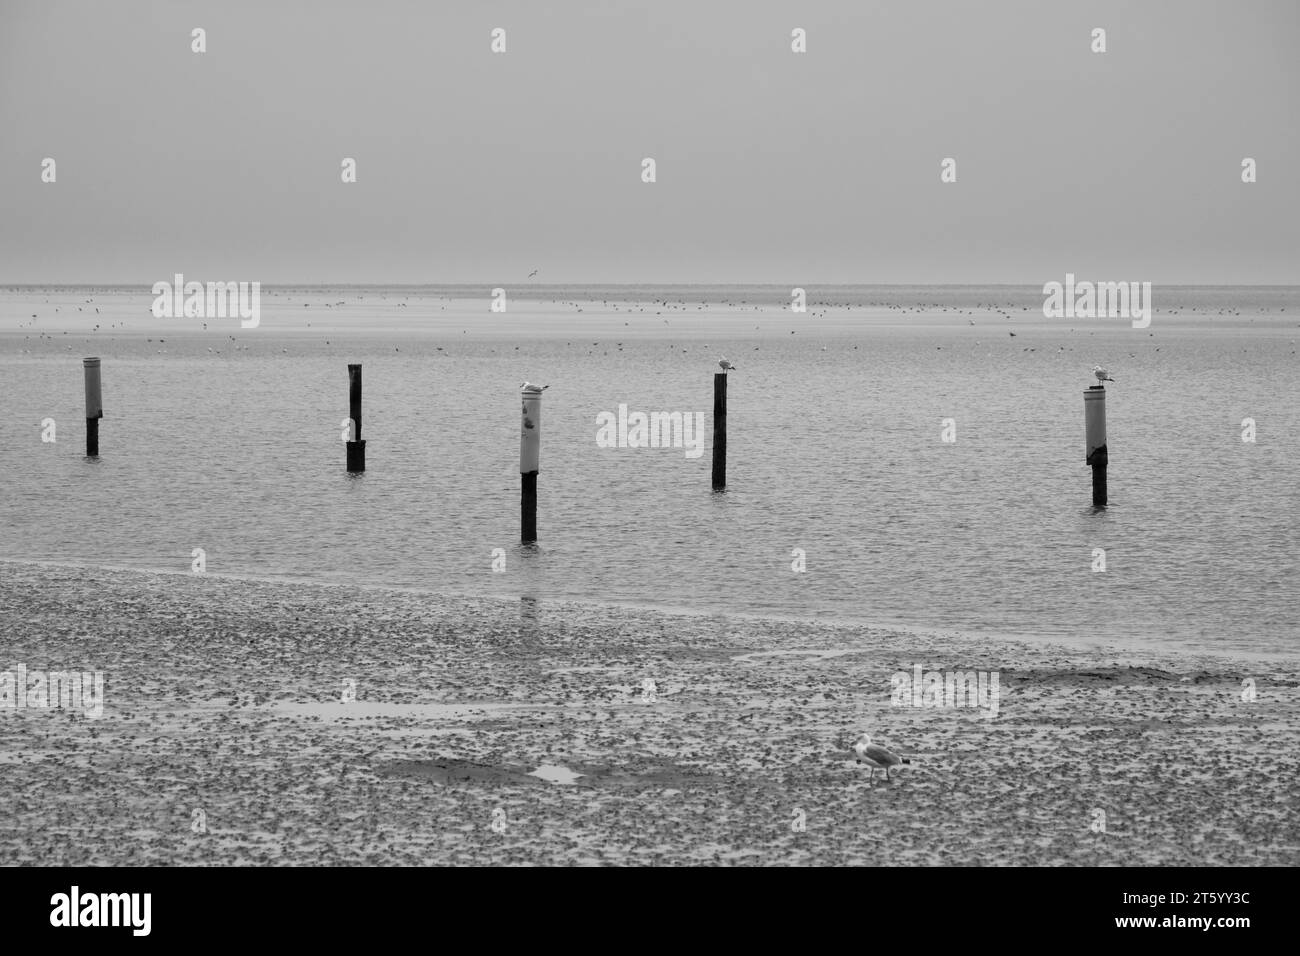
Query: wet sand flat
{"x":254,"y":722}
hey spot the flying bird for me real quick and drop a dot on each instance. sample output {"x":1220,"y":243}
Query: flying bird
{"x":533,"y":273}
{"x":878,"y":757}
{"x":1102,"y":374}
{"x":725,"y":365}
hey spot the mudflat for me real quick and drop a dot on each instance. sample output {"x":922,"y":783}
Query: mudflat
{"x":282,"y":723}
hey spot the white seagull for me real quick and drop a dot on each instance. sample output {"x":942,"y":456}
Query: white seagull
{"x":1102,"y":374}
{"x":878,"y":757}
{"x":725,"y":365}
{"x":529,"y":386}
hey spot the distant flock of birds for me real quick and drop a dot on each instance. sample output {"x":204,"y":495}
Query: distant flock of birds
{"x":1101,"y":374}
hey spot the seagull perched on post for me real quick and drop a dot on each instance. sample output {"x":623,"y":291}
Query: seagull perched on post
{"x":529,"y":386}
{"x":878,"y":757}
{"x":1102,"y":374}
{"x":725,"y":365}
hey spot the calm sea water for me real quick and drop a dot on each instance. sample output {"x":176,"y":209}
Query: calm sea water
{"x":234,"y":445}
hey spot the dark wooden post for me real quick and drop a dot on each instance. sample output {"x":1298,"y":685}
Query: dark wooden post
{"x":530,"y":442}
{"x":1094,"y":419}
{"x":94,"y":405}
{"x":356,"y":447}
{"x":720,"y":430}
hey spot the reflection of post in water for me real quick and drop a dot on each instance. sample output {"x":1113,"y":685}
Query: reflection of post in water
{"x":528,"y":617}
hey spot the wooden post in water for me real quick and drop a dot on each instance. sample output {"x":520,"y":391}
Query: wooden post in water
{"x":530,"y":443}
{"x":1094,"y":419}
{"x":719,"y":430}
{"x":356,"y":447}
{"x":94,"y":405}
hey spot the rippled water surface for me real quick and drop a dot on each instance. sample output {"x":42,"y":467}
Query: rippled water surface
{"x":234,"y":445}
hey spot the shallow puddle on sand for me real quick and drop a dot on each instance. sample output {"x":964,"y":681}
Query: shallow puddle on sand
{"x":363,"y":710}
{"x":556,"y":773}
{"x":823,"y":654}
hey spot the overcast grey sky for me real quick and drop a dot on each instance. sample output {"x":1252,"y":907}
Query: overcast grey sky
{"x":772,"y":166}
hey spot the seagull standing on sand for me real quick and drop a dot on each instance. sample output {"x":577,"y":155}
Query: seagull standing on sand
{"x":725,"y":365}
{"x":1102,"y":374}
{"x":878,"y":757}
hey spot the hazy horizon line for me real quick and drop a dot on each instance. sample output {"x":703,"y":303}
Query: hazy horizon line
{"x":7,"y":286}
